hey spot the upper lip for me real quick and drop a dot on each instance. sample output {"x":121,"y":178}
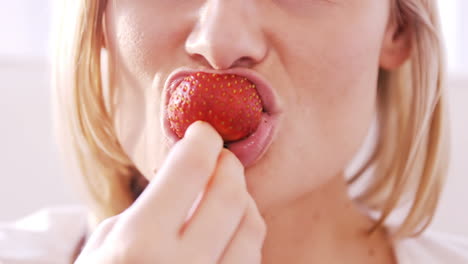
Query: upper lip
{"x":265,"y":90}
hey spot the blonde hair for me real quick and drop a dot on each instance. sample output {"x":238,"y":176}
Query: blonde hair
{"x":410,"y":159}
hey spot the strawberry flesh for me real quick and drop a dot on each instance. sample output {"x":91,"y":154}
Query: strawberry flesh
{"x":230,"y":103}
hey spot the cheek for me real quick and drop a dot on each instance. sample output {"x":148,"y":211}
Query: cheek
{"x":138,"y":43}
{"x":332,"y":67}
{"x":348,"y":79}
{"x":335,"y":68}
{"x":141,"y":39}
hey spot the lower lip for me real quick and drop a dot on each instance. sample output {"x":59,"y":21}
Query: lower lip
{"x":248,"y":150}
{"x":252,"y":148}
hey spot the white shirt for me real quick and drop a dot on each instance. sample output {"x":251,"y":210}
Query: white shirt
{"x":432,"y":248}
{"x":51,"y":235}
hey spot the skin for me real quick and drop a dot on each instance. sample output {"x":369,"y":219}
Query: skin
{"x":141,"y":234}
{"x":322,"y":58}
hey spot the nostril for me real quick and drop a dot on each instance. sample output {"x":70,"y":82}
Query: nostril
{"x":244,"y":62}
{"x":201,"y":60}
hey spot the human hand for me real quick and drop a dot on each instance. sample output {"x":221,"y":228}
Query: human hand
{"x":226,"y":226}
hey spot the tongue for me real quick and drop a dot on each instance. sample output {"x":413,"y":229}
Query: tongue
{"x":230,"y":103}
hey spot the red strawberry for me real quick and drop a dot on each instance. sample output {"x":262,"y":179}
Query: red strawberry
{"x":230,"y":103}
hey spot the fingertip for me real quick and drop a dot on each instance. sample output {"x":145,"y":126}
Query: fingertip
{"x":196,"y":126}
{"x":226,"y":154}
{"x":203,"y":130}
{"x":230,"y":162}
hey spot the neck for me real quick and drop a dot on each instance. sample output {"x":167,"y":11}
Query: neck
{"x":323,"y":226}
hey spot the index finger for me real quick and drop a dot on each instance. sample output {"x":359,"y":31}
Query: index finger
{"x":183,"y":176}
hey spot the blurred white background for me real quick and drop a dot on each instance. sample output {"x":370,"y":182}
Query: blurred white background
{"x":32,"y":176}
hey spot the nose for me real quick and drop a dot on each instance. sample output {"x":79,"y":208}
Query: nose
{"x":228,"y":34}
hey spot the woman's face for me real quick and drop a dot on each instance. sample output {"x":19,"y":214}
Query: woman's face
{"x":321,"y":58}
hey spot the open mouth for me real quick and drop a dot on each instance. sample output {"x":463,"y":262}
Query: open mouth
{"x":248,"y":149}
